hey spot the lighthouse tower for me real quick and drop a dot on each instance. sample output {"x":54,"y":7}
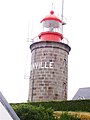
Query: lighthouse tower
{"x":49,"y":63}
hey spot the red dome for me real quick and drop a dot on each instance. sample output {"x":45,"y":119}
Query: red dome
{"x":51,"y":17}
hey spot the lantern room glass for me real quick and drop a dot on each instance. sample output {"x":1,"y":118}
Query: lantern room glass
{"x":52,"y":26}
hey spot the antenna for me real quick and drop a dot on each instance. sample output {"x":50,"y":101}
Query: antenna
{"x":52,"y":5}
{"x":32,"y":30}
{"x":28,"y":42}
{"x":62,"y":14}
{"x":28,"y":39}
{"x":26,"y":68}
{"x":26,"y":76}
{"x":28,"y":33}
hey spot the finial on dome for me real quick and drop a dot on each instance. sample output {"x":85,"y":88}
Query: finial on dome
{"x":51,"y":12}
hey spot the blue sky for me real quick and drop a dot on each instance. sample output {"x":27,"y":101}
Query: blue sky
{"x":15,"y":18}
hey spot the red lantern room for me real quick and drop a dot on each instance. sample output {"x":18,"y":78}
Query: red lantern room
{"x":52,"y":28}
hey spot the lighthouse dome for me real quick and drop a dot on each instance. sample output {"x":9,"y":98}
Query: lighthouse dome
{"x":51,"y":17}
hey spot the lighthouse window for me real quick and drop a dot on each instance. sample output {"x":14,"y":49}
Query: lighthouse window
{"x":65,"y":62}
{"x":64,"y":85}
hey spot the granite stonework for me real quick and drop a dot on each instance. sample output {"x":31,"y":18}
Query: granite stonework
{"x":49,"y":71}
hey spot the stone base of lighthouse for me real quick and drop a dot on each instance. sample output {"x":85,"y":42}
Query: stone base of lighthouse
{"x":49,"y":71}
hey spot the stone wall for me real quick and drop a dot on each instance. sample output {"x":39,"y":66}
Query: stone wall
{"x":49,"y":71}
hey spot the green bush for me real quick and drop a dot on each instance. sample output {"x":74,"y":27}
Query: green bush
{"x":29,"y":112}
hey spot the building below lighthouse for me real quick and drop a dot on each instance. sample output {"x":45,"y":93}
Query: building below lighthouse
{"x":49,"y":63}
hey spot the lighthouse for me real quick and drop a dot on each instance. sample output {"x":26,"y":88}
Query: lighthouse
{"x":49,"y":62}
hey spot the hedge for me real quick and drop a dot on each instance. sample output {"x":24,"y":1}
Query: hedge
{"x":71,"y":105}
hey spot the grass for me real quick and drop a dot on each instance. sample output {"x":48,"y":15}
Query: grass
{"x":80,"y":114}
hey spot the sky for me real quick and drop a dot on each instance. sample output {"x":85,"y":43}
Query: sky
{"x":20,"y":20}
